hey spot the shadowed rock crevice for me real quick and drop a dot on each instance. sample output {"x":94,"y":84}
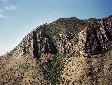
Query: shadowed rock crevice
{"x":35,"y":45}
{"x":106,"y":26}
{"x":48,"y":45}
{"x":99,"y":47}
{"x":108,"y":34}
{"x":92,"y":45}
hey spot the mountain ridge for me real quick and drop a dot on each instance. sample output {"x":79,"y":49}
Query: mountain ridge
{"x":48,"y":49}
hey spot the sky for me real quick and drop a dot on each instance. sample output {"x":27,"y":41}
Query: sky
{"x":19,"y":17}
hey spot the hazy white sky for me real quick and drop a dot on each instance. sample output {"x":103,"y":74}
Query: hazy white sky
{"x":18,"y":17}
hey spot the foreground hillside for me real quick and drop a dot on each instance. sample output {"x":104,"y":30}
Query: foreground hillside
{"x":68,"y":51}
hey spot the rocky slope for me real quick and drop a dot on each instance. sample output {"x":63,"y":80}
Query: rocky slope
{"x":68,"y":51}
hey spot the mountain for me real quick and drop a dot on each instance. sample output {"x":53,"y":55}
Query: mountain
{"x":68,"y":51}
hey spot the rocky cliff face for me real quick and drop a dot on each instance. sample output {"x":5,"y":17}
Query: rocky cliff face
{"x":68,"y":51}
{"x":96,"y":38}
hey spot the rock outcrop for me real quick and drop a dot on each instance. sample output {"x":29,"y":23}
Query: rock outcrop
{"x":96,"y":38}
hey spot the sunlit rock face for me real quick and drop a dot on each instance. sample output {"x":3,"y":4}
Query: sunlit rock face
{"x":96,"y":38}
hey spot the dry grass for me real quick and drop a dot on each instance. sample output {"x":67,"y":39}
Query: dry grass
{"x":20,"y":70}
{"x":88,"y":71}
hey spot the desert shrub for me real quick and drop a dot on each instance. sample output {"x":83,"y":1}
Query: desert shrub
{"x":54,"y":72}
